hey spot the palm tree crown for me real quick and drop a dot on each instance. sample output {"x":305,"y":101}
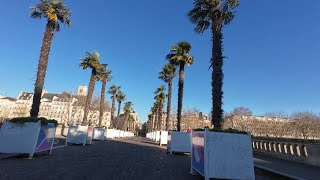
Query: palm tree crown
{"x":104,"y":73}
{"x":55,"y":11}
{"x":180,"y":54}
{"x":168,"y":72}
{"x":214,"y":12}
{"x":91,"y":61}
{"x":121,"y":96}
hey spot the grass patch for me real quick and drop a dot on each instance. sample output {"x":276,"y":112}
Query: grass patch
{"x":44,"y":121}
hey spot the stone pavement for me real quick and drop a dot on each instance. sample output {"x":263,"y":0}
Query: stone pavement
{"x":132,"y":158}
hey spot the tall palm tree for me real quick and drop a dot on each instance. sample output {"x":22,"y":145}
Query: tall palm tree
{"x":167,"y":74}
{"x":103,"y":76}
{"x":90,"y":61}
{"x":180,"y":57}
{"x":55,"y":12}
{"x":113,"y":90}
{"x":160,"y":99}
{"x":120,"y":97}
{"x":127,"y":110}
{"x":214,"y":14}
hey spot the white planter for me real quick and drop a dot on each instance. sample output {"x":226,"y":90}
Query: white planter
{"x":153,"y":136}
{"x":27,"y":138}
{"x":116,"y":133}
{"x":164,"y":138}
{"x":78,"y":134}
{"x":109,"y":134}
{"x":179,"y":142}
{"x":98,"y":134}
{"x":157,"y":134}
{"x":222,"y":155}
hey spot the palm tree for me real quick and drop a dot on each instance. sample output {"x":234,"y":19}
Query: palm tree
{"x":90,"y":61}
{"x":180,"y":57}
{"x":214,"y":14}
{"x":120,"y":97}
{"x":160,"y":99}
{"x":167,"y":74}
{"x":127,"y":110}
{"x":55,"y":12}
{"x":113,"y":90}
{"x":103,"y":76}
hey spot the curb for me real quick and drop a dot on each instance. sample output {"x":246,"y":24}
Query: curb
{"x":278,"y":172}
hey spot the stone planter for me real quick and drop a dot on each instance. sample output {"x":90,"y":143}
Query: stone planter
{"x":78,"y":134}
{"x":27,"y":138}
{"x":163,"y":138}
{"x":179,"y":142}
{"x":98,"y":134}
{"x":222,"y":155}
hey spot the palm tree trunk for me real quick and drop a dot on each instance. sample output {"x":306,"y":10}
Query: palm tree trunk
{"x":169,"y":103}
{"x":42,"y":68}
{"x":119,"y":106}
{"x":113,"y":109}
{"x":103,"y":90}
{"x":180,"y":94}
{"x":89,"y":97}
{"x":217,"y":77}
{"x":160,"y":117}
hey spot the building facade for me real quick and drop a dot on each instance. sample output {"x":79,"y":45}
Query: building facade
{"x":65,"y":108}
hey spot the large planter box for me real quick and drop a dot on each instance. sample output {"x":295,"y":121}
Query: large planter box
{"x":157,"y":134}
{"x":163,"y":138}
{"x":98,"y":134}
{"x":179,"y":142}
{"x":153,"y":136}
{"x":222,"y":155}
{"x":110,"y":134}
{"x":78,"y":134}
{"x":27,"y":138}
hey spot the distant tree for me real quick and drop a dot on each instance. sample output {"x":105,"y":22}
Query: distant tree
{"x":90,"y":61}
{"x":241,"y":111}
{"x":113,"y":90}
{"x":55,"y":12}
{"x":103,"y":76}
{"x":214,"y":14}
{"x":180,"y":56}
{"x":306,"y":123}
{"x":167,"y":74}
{"x":160,"y":99}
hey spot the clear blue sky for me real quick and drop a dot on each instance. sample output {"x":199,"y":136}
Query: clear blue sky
{"x":273,"y":50}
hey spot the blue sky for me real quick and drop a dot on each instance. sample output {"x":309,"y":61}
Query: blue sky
{"x":272,"y":47}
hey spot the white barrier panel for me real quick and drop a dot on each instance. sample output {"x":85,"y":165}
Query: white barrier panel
{"x":78,"y":134}
{"x":109,"y":134}
{"x":163,"y":138}
{"x":153,"y":136}
{"x":98,"y":134}
{"x":222,"y":155}
{"x":121,"y":134}
{"x":28,"y":137}
{"x":179,"y":142}
{"x":157,"y":139}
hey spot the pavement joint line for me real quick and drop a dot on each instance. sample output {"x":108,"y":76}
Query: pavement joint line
{"x":56,"y":147}
{"x":279,"y":172}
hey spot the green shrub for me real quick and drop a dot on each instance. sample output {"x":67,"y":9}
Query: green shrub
{"x":44,"y":121}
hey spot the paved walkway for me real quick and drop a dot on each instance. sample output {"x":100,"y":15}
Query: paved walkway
{"x":132,"y":158}
{"x":288,"y":168}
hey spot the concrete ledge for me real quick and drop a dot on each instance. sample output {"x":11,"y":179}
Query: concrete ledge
{"x":278,"y":172}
